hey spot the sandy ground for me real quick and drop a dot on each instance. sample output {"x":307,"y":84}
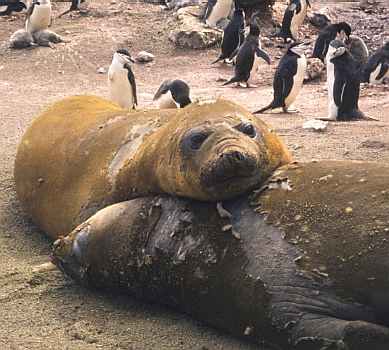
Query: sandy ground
{"x":48,"y":311}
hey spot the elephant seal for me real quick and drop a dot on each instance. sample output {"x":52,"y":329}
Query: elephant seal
{"x":300,"y":264}
{"x":84,"y":153}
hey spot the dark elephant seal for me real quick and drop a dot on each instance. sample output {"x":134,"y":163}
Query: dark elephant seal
{"x":84,"y":153}
{"x":300,"y":264}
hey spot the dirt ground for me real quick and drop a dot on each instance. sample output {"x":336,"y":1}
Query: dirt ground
{"x":48,"y":311}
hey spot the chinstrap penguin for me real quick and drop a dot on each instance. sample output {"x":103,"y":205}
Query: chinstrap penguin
{"x":294,"y":17}
{"x":38,"y":15}
{"x":377,"y":67}
{"x":346,"y":86}
{"x":288,"y":78}
{"x":340,"y":30}
{"x":233,"y":37}
{"x":121,"y":80}
{"x":173,"y":94}
{"x":217,"y":10}
{"x":246,"y":56}
{"x":12,"y":6}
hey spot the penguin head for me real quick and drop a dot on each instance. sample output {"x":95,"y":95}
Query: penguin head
{"x":123,"y":57}
{"x":178,"y":89}
{"x":344,"y":30}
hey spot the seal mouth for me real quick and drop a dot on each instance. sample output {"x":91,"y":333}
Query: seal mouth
{"x":232,"y":173}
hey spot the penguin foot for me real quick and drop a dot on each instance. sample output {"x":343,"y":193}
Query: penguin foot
{"x":290,"y":110}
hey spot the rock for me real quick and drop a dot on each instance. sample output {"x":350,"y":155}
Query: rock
{"x":315,"y":70}
{"x":189,"y":32}
{"x":177,"y":4}
{"x":315,"y":125}
{"x":144,"y":57}
{"x":21,"y":39}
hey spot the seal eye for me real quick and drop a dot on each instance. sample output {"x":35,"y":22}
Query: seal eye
{"x":247,"y":129}
{"x":197,"y":140}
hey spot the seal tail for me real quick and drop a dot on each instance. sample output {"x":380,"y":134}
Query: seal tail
{"x":269,"y":106}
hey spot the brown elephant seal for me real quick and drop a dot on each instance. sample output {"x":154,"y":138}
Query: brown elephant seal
{"x":84,"y":153}
{"x":305,"y":268}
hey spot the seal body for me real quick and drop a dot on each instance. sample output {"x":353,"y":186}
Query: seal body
{"x":301,"y":264}
{"x":38,"y":15}
{"x":85,"y":153}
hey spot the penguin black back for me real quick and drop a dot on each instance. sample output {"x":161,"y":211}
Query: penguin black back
{"x":12,"y":6}
{"x":179,"y":90}
{"x":377,"y":66}
{"x":233,"y":36}
{"x":289,"y":27}
{"x":346,"y":85}
{"x":326,"y":35}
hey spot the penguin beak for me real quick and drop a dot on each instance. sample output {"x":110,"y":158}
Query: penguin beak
{"x":264,"y":55}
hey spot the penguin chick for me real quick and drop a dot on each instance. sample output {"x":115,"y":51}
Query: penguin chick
{"x":121,"y":80}
{"x":246,"y":56}
{"x":340,"y":30}
{"x":233,"y":37}
{"x":346,"y":85}
{"x":288,"y":78}
{"x":293,"y":18}
{"x":46,"y":38}
{"x":21,"y":39}
{"x":12,"y":6}
{"x":377,"y":67}
{"x":38,"y":15}
{"x":173,"y":94}
{"x":358,"y":49}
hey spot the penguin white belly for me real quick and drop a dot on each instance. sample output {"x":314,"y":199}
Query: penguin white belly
{"x":120,"y":89}
{"x":297,"y":81}
{"x":332,"y":107}
{"x":221,"y":10}
{"x":298,"y":19}
{"x":166,"y":101}
{"x":373,"y":76}
{"x":255,"y":69}
{"x":40,"y":18}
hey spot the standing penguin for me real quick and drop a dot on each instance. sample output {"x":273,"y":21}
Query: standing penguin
{"x":38,"y":15}
{"x":346,"y":86}
{"x":217,"y":10}
{"x":377,"y":67}
{"x":233,"y":36}
{"x":173,"y":94}
{"x":121,"y":80}
{"x":288,"y":79}
{"x":294,"y":17}
{"x":246,"y":56}
{"x":340,"y":30}
{"x":332,"y":108}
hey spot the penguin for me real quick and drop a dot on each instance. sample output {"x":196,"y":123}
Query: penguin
{"x":38,"y":15}
{"x":121,"y":80}
{"x":346,"y":86}
{"x":340,"y":30}
{"x":288,"y":78}
{"x":358,"y":49}
{"x":377,"y":67}
{"x":294,"y":17}
{"x":173,"y":94}
{"x":12,"y":6}
{"x":73,"y":7}
{"x":217,"y":10}
{"x":332,"y":108}
{"x":233,"y":37}
{"x":246,"y":57}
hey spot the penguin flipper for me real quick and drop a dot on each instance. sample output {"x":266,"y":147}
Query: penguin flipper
{"x":131,"y":79}
{"x":339,"y":87}
{"x":383,"y":71}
